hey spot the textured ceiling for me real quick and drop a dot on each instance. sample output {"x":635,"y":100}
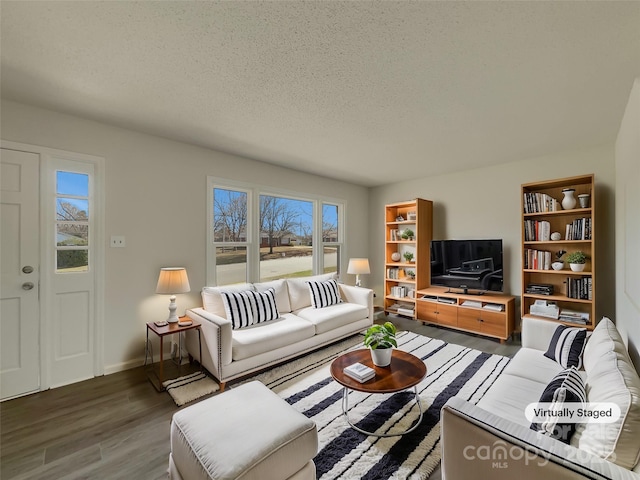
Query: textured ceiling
{"x":361,"y":91}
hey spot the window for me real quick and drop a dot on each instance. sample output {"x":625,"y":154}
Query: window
{"x":72,"y":222}
{"x":230,"y":234}
{"x":286,"y":237}
{"x":330,"y":238}
{"x":261,"y":235}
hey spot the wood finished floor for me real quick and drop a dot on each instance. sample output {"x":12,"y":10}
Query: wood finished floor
{"x":117,"y":426}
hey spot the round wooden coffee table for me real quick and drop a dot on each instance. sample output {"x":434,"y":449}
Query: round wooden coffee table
{"x":405,"y":371}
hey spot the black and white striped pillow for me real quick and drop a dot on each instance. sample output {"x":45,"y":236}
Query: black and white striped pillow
{"x":263,"y":305}
{"x":566,"y":387}
{"x":324,"y":294}
{"x":237,"y":306}
{"x":567,"y":345}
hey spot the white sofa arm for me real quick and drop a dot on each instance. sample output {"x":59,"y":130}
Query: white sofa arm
{"x":359,"y":295}
{"x":479,"y":444}
{"x":216,"y":339}
{"x":537,"y":333}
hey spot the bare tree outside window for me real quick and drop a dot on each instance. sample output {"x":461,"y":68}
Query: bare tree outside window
{"x":280,"y":234}
{"x":229,"y":216}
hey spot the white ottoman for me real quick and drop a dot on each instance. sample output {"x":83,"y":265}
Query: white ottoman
{"x":247,"y":432}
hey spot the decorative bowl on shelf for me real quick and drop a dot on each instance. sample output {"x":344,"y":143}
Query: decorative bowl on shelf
{"x":577,"y":267}
{"x":557,"y":265}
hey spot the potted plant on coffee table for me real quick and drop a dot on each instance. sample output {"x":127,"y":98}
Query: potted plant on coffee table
{"x":576,"y":260}
{"x":381,"y":339}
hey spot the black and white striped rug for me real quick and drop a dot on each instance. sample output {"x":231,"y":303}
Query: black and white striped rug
{"x":344,"y":453}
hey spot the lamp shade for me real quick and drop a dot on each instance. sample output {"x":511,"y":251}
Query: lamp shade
{"x":173,"y":280}
{"x":358,"y":266}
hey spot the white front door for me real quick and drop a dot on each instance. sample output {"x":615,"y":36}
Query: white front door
{"x":20,"y":269}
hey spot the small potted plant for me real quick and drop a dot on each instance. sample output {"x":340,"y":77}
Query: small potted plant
{"x":576,"y":260}
{"x":411,"y":274}
{"x":408,"y":256}
{"x":407,"y":234}
{"x":381,"y":339}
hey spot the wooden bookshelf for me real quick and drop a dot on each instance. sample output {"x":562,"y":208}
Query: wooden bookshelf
{"x":542,"y":202}
{"x":417,"y":216}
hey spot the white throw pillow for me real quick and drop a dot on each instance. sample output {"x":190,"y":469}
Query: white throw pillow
{"x":282,"y":293}
{"x":611,"y":377}
{"x":212,"y":301}
{"x":299,"y":291}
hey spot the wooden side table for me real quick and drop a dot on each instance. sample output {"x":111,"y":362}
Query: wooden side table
{"x":162,"y":332}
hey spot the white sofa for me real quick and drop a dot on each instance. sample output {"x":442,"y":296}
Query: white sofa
{"x":493,"y":440}
{"x":228,"y":354}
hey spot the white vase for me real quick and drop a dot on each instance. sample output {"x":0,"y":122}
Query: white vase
{"x":577,"y":267}
{"x":381,"y":356}
{"x":569,"y":201}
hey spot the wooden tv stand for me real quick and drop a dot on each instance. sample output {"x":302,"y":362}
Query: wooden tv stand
{"x":489,"y":314}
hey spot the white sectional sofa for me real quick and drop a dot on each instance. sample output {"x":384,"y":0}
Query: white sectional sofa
{"x":229,"y":353}
{"x":493,"y":439}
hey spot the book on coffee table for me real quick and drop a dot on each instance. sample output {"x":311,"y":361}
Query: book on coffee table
{"x":360,"y":372}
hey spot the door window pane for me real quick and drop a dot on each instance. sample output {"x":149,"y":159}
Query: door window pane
{"x":229,"y":216}
{"x":70,"y":235}
{"x":74,"y":184}
{"x":72,"y":261}
{"x":72,"y":209}
{"x":72,"y":222}
{"x":286,"y":233}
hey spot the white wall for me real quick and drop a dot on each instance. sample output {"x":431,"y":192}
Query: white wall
{"x":628,"y":225}
{"x":485,"y":203}
{"x":155,"y":193}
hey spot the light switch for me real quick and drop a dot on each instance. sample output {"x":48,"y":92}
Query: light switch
{"x":117,"y":241}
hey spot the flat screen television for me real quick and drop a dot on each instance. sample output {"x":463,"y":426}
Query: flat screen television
{"x":471,"y":266}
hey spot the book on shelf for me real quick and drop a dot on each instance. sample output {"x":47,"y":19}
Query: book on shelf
{"x":580,"y":288}
{"x":359,"y":372}
{"x":537,"y":259}
{"x":537,"y":231}
{"x":579,"y":229}
{"x":399,"y":291}
{"x":573,"y":316}
{"x":536,"y":202}
{"x":405,"y":311}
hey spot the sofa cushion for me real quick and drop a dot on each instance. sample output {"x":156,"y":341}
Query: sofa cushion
{"x":533,"y":365}
{"x":324,"y":294}
{"x":509,"y":395}
{"x":334,"y":316}
{"x":212,"y":301}
{"x":282,"y":293}
{"x":264,"y":337}
{"x":263,"y":305}
{"x":611,"y":377}
{"x":238,"y":309}
{"x":299,"y":291}
{"x":566,"y":387}
{"x":567,"y":345}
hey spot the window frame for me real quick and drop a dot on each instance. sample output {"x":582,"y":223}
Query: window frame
{"x":254,"y":191}
{"x":76,"y":170}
